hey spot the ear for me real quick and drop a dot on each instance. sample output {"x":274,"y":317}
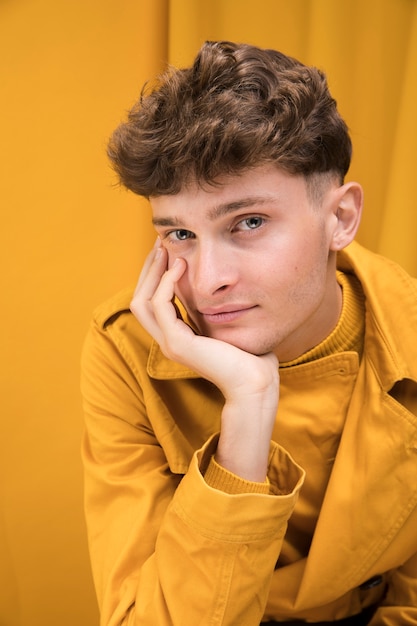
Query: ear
{"x":348,"y":202}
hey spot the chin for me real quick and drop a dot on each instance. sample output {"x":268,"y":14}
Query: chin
{"x":252,"y":347}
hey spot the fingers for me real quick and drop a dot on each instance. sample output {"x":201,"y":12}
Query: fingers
{"x":165,"y":292}
{"x":141,"y":305}
{"x":153,"y":257}
{"x":237,"y":374}
{"x":152,"y":301}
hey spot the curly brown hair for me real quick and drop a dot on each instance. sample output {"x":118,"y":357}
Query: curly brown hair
{"x":237,"y":107}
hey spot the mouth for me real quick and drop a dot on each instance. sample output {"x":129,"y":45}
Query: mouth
{"x":226,"y":314}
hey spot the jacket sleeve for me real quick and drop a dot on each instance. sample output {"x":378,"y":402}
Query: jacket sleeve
{"x":168,"y":549}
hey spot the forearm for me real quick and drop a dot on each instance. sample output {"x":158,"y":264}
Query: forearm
{"x":245,"y":436}
{"x":180,"y":554}
{"x":167,"y":549}
{"x":214,"y":553}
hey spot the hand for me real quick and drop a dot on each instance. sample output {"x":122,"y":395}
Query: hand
{"x":249,"y":383}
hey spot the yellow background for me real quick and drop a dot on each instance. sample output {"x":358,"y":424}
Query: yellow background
{"x":69,"y":239}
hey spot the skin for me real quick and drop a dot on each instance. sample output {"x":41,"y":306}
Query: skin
{"x":253,"y":260}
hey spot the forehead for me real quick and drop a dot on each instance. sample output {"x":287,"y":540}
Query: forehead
{"x":265,"y":185}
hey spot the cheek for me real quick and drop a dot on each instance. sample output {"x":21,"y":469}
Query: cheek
{"x":311,"y":252}
{"x":301,"y":269}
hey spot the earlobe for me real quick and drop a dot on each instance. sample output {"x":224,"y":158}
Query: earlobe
{"x":348,"y":211}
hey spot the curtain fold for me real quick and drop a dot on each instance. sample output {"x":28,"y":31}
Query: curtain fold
{"x":399,"y":223}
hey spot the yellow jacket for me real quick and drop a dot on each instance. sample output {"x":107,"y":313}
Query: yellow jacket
{"x":168,"y":549}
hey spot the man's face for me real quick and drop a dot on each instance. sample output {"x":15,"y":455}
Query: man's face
{"x":259,"y":274}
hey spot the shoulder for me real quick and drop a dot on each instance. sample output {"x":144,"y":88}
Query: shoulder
{"x":115,"y":334}
{"x":391,"y":309}
{"x":375,"y":270}
{"x":110,"y":310}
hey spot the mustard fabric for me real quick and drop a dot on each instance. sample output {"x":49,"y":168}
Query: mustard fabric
{"x":167,"y":548}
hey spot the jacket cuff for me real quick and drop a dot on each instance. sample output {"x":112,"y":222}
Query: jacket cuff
{"x":218,"y":477}
{"x":238,"y":517}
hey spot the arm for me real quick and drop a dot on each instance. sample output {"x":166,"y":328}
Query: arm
{"x":249,"y":383}
{"x":165,"y":550}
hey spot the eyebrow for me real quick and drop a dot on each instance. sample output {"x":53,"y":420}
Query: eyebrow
{"x":220,"y":210}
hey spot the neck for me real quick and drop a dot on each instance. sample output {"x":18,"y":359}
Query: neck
{"x":348,"y":334}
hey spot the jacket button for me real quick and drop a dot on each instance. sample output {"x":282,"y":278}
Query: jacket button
{"x":371,"y":582}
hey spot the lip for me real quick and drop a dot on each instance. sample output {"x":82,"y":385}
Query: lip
{"x":226,"y":314}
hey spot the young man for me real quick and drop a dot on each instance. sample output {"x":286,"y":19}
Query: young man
{"x":251,"y":443}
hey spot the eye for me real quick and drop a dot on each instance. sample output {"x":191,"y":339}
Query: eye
{"x":250,"y":223}
{"x":180,"y":235}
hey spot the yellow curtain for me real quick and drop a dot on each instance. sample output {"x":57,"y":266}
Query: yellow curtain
{"x":69,"y":238}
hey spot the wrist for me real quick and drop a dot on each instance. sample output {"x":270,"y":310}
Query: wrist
{"x":244,"y":442}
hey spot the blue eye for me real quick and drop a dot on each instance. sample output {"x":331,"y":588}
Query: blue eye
{"x":181,"y":234}
{"x":250,"y":223}
{"x":254,"y":222}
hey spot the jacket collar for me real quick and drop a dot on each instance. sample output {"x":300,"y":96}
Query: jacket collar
{"x":375,"y":467}
{"x":391,"y":313}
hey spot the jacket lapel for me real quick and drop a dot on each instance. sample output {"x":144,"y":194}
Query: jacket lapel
{"x":372,"y":490}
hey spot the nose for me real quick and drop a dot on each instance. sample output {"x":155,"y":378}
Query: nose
{"x":212,"y":269}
